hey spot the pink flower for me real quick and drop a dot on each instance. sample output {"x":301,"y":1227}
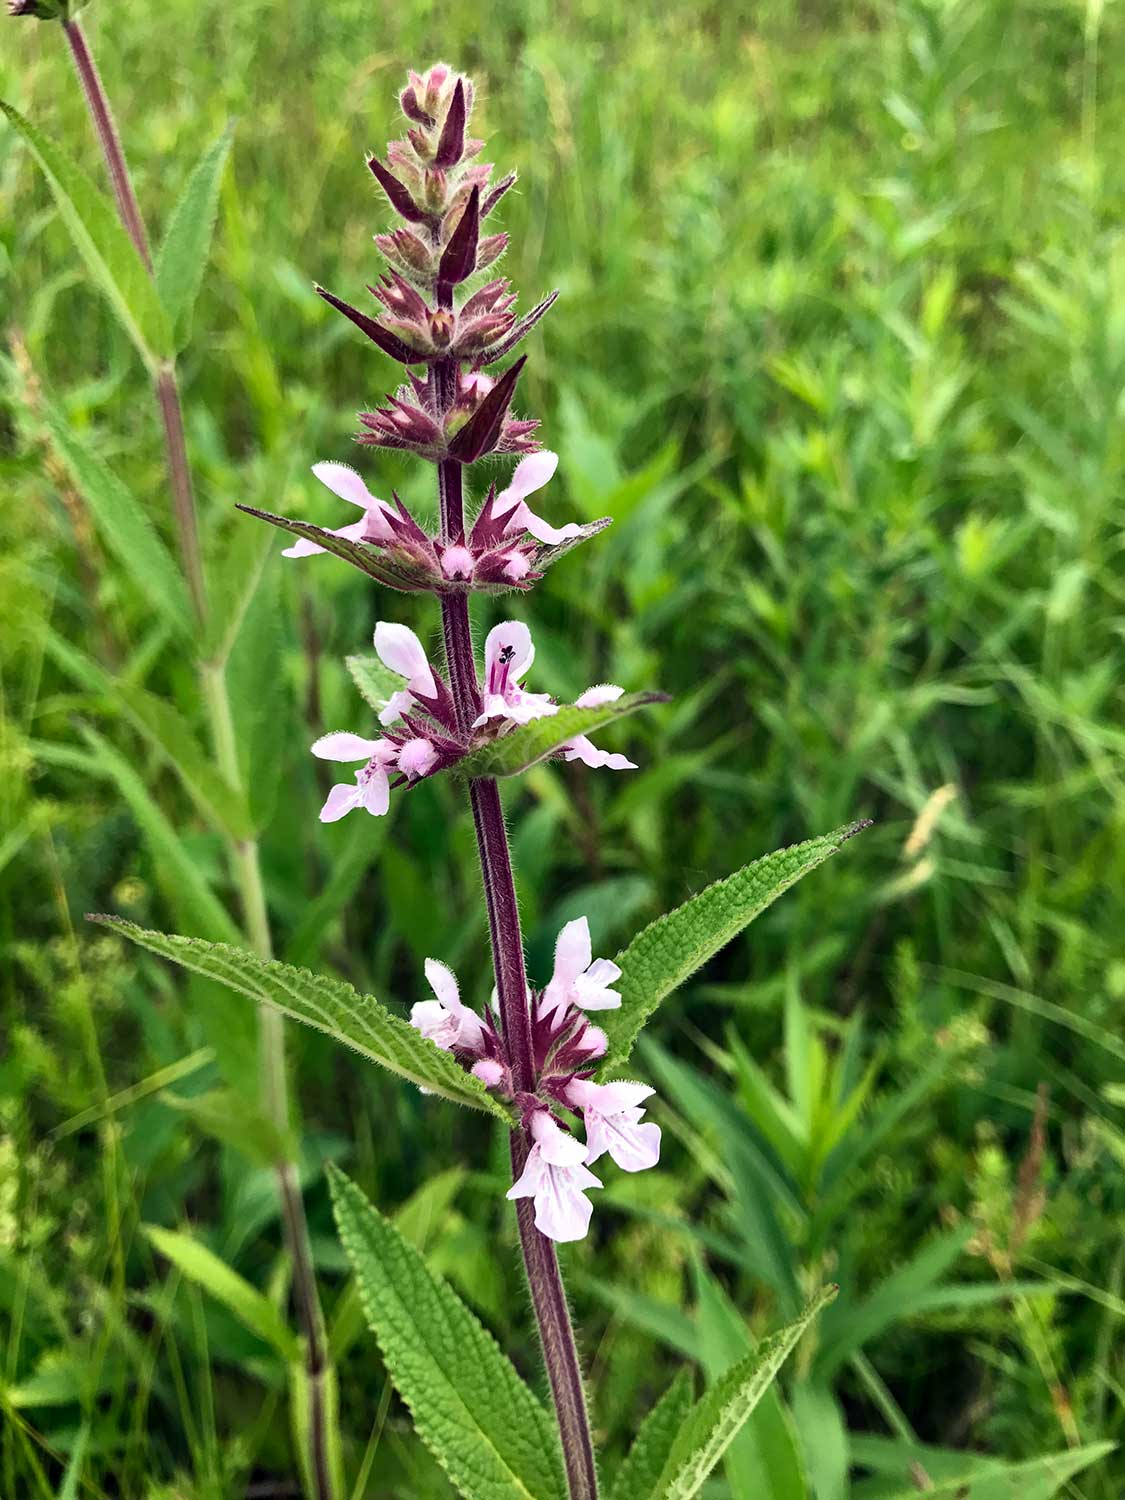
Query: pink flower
{"x":556,"y":1177}
{"x":446,"y":1021}
{"x":348,"y":485}
{"x":579,"y":979}
{"x":531,"y":474}
{"x":457,"y":561}
{"x":372,"y":789}
{"x":417,"y":758}
{"x":400,"y":650}
{"x":508,"y":653}
{"x":583,"y":749}
{"x":612,"y":1116}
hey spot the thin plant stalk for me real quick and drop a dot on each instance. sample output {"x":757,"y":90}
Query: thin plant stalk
{"x":544,"y":1277}
{"x":244,"y":854}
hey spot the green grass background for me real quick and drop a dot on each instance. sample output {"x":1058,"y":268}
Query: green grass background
{"x":841,"y":346}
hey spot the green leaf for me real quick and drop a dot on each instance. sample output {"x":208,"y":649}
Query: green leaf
{"x":68,"y":1489}
{"x":180,"y":875}
{"x":204,"y":1267}
{"x":103,"y":244}
{"x":182,"y":257}
{"x":1036,"y":1479}
{"x":123,"y":524}
{"x":645,"y":1460}
{"x":852,"y":1325}
{"x":762,"y":1463}
{"x":670,"y":949}
{"x":329,"y":1005}
{"x":375,"y":682}
{"x":470,"y":1407}
{"x":716,"y":1420}
{"x":824,"y":1439}
{"x":526,"y":744}
{"x":164,"y":727}
{"x":226,"y":1116}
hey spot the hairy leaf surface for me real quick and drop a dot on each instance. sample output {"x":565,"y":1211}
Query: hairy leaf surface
{"x":669,"y":950}
{"x":644,"y":1463}
{"x":109,"y":254}
{"x":329,"y":1005}
{"x":470,"y":1407}
{"x":717,"y":1418}
{"x":182,"y":257}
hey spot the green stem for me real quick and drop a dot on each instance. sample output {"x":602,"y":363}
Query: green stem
{"x":245,"y":862}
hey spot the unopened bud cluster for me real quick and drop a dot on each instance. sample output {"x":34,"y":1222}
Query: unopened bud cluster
{"x":452,"y":412}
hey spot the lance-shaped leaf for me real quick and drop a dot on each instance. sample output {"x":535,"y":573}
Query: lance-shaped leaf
{"x":123,"y":524}
{"x":452,"y":141}
{"x":715,"y":1421}
{"x":470,"y":1407}
{"x":493,"y":198}
{"x":526,"y":744}
{"x":396,"y":569}
{"x":459,"y":258}
{"x":389,"y":343}
{"x":110,"y":256}
{"x":644,"y":1463}
{"x":183,"y":255}
{"x":400,"y":199}
{"x":519,"y":330}
{"x":670,"y":949}
{"x":551,"y":554}
{"x":329,"y":1005}
{"x":203,"y":1266}
{"x":481,"y":432}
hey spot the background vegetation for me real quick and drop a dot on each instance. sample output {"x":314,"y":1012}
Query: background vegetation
{"x":842,"y":348}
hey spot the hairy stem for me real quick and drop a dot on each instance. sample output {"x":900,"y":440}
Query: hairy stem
{"x":108,"y":138}
{"x":548,"y":1297}
{"x":245,"y":861}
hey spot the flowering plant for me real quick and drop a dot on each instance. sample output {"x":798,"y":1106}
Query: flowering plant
{"x":534,"y":1060}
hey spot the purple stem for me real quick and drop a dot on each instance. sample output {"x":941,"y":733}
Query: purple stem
{"x":548,"y":1297}
{"x":167,"y":391}
{"x":98,"y":101}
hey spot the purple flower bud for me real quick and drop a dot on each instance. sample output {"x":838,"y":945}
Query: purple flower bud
{"x":452,"y":142}
{"x":493,"y":198}
{"x":406,"y":250}
{"x":441,"y":325}
{"x":400,"y":199}
{"x":491,"y":249}
{"x":408,"y":99}
{"x":481,"y":432}
{"x":459,"y":258}
{"x":520,"y":330}
{"x":387,"y":341}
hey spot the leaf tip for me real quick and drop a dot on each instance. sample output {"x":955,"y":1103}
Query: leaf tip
{"x":850,"y":830}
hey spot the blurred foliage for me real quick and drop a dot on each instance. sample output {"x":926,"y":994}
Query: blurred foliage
{"x":841,"y":347}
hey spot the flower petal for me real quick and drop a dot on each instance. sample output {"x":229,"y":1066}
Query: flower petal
{"x":341,"y":745}
{"x":400,"y":649}
{"x":573,"y":951}
{"x":340,"y":800}
{"x":443,"y":982}
{"x":529,"y":475}
{"x":513,"y":635}
{"x":346,"y":483}
{"x":594,"y":697}
{"x":375,"y":793}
